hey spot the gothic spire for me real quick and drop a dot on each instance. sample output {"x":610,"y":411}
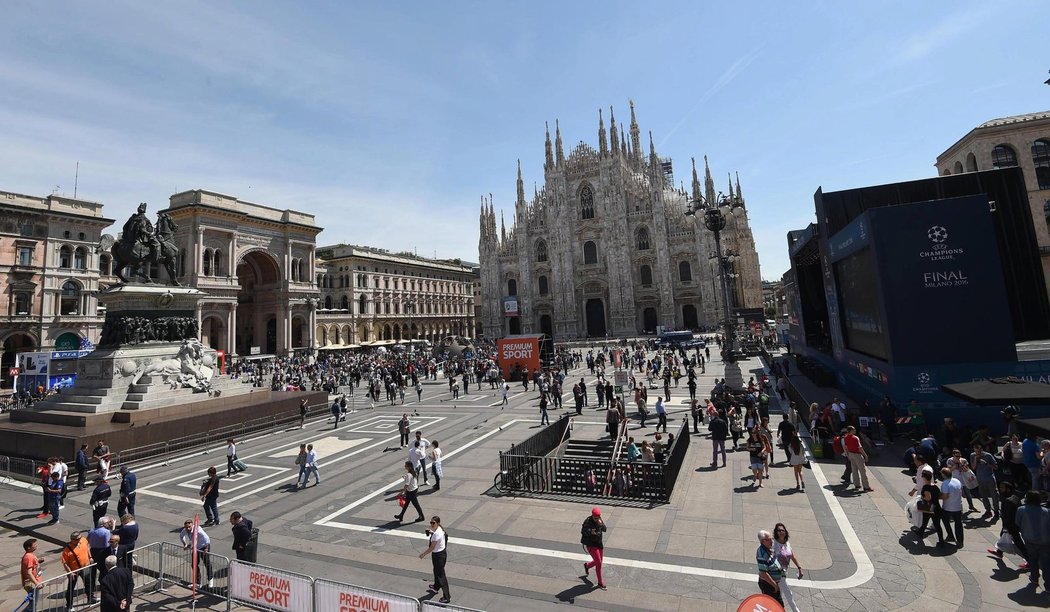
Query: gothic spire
{"x":549,"y":163}
{"x":502,"y":227}
{"x":652,"y":148}
{"x":696,"y":182}
{"x":613,"y":132}
{"x":739,"y":192}
{"x":603,"y":148}
{"x":521,"y":186}
{"x":636,"y":144}
{"x":623,"y":145}
{"x":730,"y":185}
{"x":709,"y":184}
{"x":559,"y":154}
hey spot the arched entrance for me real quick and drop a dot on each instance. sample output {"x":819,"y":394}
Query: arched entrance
{"x":259,"y":279}
{"x":213,"y":333}
{"x":595,"y":313}
{"x":546,"y":325}
{"x":649,"y":320}
{"x":689,"y":317}
{"x":14,"y":344}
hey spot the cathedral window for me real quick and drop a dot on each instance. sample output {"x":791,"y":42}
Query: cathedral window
{"x":1041,"y":159}
{"x":1003,"y":157}
{"x":685,"y":272}
{"x":590,"y":252}
{"x":512,"y":287}
{"x":647,"y":276}
{"x":544,"y":289}
{"x":642,"y":239}
{"x":587,"y":202}
{"x":541,"y":251}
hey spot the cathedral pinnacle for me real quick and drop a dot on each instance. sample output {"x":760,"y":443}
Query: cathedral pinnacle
{"x":549,"y":163}
{"x":559,"y":153}
{"x":696,"y":182}
{"x":739,"y":192}
{"x":709,"y":184}
{"x":603,"y":148}
{"x":636,"y":145}
{"x":502,"y":228}
{"x":612,"y":131}
{"x":521,"y":186}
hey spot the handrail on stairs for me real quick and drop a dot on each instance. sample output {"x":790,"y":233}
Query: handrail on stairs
{"x":617,"y":449}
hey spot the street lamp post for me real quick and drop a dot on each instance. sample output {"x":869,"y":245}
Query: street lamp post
{"x":715,"y":220}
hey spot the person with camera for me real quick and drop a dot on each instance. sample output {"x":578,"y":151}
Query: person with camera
{"x":438,"y":555}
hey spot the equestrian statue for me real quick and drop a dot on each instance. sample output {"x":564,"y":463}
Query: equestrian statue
{"x":141,"y":245}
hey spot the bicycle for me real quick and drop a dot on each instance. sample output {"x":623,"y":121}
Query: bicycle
{"x":522,"y":480}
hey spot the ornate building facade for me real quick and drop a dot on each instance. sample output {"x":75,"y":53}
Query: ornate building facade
{"x":49,"y":272}
{"x":371,"y":296}
{"x":605,"y":247}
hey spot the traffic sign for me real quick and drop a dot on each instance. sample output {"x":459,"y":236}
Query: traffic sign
{"x":620,"y":378}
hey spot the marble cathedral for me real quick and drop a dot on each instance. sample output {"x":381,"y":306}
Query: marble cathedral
{"x":605,"y":247}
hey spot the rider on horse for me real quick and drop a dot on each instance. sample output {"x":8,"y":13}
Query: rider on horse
{"x":139,"y":229}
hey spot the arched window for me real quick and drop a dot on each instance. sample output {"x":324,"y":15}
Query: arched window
{"x":207,"y":262}
{"x":65,"y":257}
{"x":22,"y":303}
{"x":512,"y":287}
{"x":544,"y":290}
{"x":541,"y":251}
{"x":295,"y":271}
{"x":587,"y":202}
{"x":104,"y":263}
{"x":70,"y":299}
{"x":320,"y":277}
{"x":647,"y":276}
{"x":685,"y":272}
{"x":957,"y":168}
{"x":80,"y":259}
{"x":1041,"y":159}
{"x":590,"y":252}
{"x":328,"y":302}
{"x":971,"y":163}
{"x":362,"y":304}
{"x":346,"y":303}
{"x":1003,"y":157}
{"x":641,"y":239}
{"x":217,"y":263}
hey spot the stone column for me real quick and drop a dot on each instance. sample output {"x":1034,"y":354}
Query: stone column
{"x":233,"y":255}
{"x":231,"y":330}
{"x":198,"y":254}
{"x":197,"y":310}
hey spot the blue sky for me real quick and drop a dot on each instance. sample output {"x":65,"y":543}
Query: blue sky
{"x":388,"y":121}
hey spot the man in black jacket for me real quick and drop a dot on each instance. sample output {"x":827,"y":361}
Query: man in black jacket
{"x":242,"y":534}
{"x":719,"y":432}
{"x":1009,"y":502}
{"x":117,"y":586}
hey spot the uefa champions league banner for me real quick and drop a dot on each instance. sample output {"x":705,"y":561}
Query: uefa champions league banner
{"x":941,"y":275}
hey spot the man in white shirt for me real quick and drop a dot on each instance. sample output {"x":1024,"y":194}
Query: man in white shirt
{"x":62,"y":470}
{"x":839,"y":408}
{"x":424,"y":448}
{"x":506,"y":391}
{"x":203,"y":547}
{"x":951,"y":505}
{"x":415,"y":457}
{"x":311,"y":466}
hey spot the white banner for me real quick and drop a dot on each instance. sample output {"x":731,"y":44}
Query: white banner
{"x":336,"y":597}
{"x":270,"y":589}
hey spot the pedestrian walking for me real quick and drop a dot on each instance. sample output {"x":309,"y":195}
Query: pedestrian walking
{"x":719,"y":432}
{"x":506,"y":392}
{"x":128,"y":530}
{"x":1009,"y":503}
{"x":403,"y":427}
{"x":756,"y":449}
{"x":210,"y":496}
{"x":128,"y":489}
{"x":785,"y":556}
{"x":76,"y":559}
{"x":98,"y":548}
{"x":311,"y":467}
{"x":81,"y":463}
{"x":661,"y":415}
{"x":419,"y":392}
{"x":951,"y":505}
{"x":300,"y":460}
{"x":30,"y":566}
{"x":54,"y":492}
{"x":438,"y":555}
{"x":99,"y":500}
{"x":415,"y":457}
{"x":591,"y":538}
{"x":796,"y":458}
{"x":203,"y":549}
{"x":424,"y":450}
{"x":303,"y":409}
{"x":335,"y":413}
{"x":117,"y":587}
{"x":1033,"y":521}
{"x":410,"y":491}
{"x":858,"y":457}
{"x":435,"y":465}
{"x":770,"y":571}
{"x":544,"y":420}
{"x":241,"y":527}
{"x":63,"y":475}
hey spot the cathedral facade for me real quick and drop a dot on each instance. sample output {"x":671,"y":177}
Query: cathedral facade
{"x":605,"y":248}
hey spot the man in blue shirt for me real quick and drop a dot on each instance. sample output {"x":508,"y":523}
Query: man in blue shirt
{"x":54,"y":496}
{"x":1033,"y":521}
{"x":1030,"y":453}
{"x":81,"y":463}
{"x":128,"y":487}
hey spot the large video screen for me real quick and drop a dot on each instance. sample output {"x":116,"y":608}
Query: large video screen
{"x":863,"y":321}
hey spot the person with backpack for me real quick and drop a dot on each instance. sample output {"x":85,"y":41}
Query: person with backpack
{"x":591,"y":538}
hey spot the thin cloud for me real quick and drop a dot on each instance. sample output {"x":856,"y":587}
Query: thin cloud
{"x":955,"y":25}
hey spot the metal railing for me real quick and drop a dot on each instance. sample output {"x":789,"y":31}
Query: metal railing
{"x":20,"y":468}
{"x":675,"y":457}
{"x":544,"y":441}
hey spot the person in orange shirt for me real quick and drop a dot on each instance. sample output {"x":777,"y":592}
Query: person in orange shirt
{"x":30,"y":566}
{"x":76,"y":557}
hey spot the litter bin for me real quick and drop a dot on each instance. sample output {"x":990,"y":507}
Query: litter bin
{"x":251,"y":549}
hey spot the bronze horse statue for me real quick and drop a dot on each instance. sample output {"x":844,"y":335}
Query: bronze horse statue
{"x":140,"y":246}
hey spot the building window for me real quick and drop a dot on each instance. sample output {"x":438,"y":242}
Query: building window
{"x":25,"y":256}
{"x":543,"y":285}
{"x":1041,"y":159}
{"x":22,"y":303}
{"x":70,"y":299}
{"x":207,"y":262}
{"x":647,"y":276}
{"x":80,"y":235}
{"x":328,"y":302}
{"x":346,"y":302}
{"x":587,"y":202}
{"x":590,"y":252}
{"x":541,"y":251}
{"x":65,"y":257}
{"x":216,"y":266}
{"x":641,"y":239}
{"x":957,"y":168}
{"x":26,"y":229}
{"x":971,"y":163}
{"x":1003,"y":157}
{"x":512,"y":287}
{"x":685,"y":272}
{"x":80,"y":259}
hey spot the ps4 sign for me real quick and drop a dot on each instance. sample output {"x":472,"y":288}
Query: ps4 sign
{"x":68,"y":354}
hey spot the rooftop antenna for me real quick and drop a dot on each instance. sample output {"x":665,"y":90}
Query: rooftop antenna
{"x":76,"y":179}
